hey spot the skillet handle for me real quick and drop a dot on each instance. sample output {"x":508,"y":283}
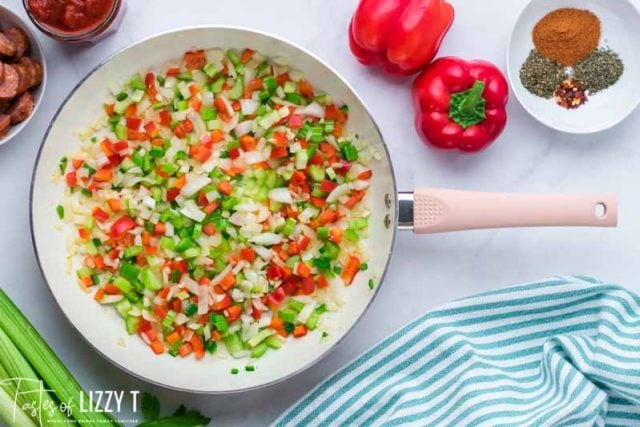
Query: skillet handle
{"x":441,"y":210}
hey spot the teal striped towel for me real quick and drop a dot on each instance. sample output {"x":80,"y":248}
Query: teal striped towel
{"x":564,"y":351}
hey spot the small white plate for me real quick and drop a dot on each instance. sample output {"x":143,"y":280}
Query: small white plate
{"x":10,"y":19}
{"x":620,"y":31}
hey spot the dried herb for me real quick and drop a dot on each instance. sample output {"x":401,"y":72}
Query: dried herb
{"x":541,"y":76}
{"x":601,"y":69}
{"x":570,"y":94}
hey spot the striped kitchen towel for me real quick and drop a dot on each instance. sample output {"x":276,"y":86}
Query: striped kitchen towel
{"x":564,"y":351}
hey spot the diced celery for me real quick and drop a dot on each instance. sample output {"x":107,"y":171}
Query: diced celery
{"x":127,"y":164}
{"x":233,"y":56}
{"x":208,"y":113}
{"x":132,"y":251}
{"x":151,"y":279}
{"x":316,"y":172}
{"x":259,"y":337}
{"x":290,"y":87}
{"x":123,"y":284}
{"x":137,"y":83}
{"x":123,"y":308}
{"x":132,"y":324}
{"x":121,"y":131}
{"x":129,"y":271}
{"x":288,"y":315}
{"x":137,"y":96}
{"x":191,"y":253}
{"x":301,"y":159}
{"x":269,"y":83}
{"x":269,"y":119}
{"x":216,"y":87}
{"x":312,"y":321}
{"x":121,"y":106}
{"x":351,"y":235}
{"x":233,"y":343}
{"x":259,"y":350}
{"x":274,"y":341}
{"x":91,"y":248}
{"x":296,"y":305}
{"x":210,"y":70}
{"x":322,"y":233}
{"x":167,"y":322}
{"x":237,"y":90}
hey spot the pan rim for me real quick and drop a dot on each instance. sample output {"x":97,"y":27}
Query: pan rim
{"x":393,"y":225}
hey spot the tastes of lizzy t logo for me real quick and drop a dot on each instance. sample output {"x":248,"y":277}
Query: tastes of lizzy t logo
{"x":34,"y":400}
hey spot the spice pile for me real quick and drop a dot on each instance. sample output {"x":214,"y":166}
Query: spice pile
{"x":566,"y":63}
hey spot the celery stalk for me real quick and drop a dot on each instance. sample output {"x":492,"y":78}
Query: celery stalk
{"x":45,"y":362}
{"x":31,"y":388}
{"x":7,"y":414}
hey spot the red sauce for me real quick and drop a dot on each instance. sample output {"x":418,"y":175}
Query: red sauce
{"x":71,"y":16}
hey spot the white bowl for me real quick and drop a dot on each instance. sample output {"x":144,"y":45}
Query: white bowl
{"x":10,"y":19}
{"x":620,"y":31}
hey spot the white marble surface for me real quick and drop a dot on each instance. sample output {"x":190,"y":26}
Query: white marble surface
{"x":426,"y":271}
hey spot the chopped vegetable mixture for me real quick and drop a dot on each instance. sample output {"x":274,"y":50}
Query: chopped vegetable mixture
{"x":218,"y":205}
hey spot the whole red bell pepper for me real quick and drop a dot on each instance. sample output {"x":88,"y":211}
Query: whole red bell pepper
{"x":460,"y":104}
{"x":402,"y":36}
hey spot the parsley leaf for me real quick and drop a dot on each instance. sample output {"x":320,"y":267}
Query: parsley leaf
{"x":180,"y":418}
{"x":150,"y":407}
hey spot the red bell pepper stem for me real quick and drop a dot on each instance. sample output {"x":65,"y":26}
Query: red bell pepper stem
{"x":469,"y":104}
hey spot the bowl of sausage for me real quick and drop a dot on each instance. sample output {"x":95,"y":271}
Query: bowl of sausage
{"x":22,"y":74}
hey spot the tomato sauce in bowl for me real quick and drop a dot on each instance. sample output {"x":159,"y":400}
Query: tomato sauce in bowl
{"x":75,"y":20}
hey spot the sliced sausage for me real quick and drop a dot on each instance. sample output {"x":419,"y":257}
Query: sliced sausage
{"x":21,"y":108}
{"x":24,"y":77}
{"x":5,"y":122}
{"x":19,"y":39}
{"x":9,"y":86}
{"x":7,"y":47}
{"x":1,"y":72}
{"x":35,"y":70}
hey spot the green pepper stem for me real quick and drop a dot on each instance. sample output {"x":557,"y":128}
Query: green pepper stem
{"x":474,"y":96}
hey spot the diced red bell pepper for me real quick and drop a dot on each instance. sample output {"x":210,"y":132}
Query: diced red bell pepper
{"x":295,"y":121}
{"x":274,"y":272}
{"x":99,"y":215}
{"x":172,"y":194}
{"x":165,"y":118}
{"x":308,"y":285}
{"x":133,"y":123}
{"x":71,"y":179}
{"x":328,"y":186}
{"x":121,"y":146}
{"x":122,"y":225}
{"x":278,"y":152}
{"x":234,"y":153}
{"x":276,"y":297}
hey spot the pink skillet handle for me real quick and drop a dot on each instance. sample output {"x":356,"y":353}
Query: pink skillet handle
{"x":440,"y":210}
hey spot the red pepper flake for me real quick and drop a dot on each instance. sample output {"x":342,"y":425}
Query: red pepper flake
{"x":570,"y":94}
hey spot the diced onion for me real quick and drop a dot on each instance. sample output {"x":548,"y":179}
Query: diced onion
{"x":314,"y":109}
{"x":339,"y":191}
{"x":249,"y":106}
{"x":194,"y":184}
{"x":191,"y":210}
{"x":244,"y":128}
{"x":267,"y":239}
{"x":281,"y":195}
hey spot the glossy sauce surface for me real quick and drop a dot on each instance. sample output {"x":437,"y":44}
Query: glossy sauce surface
{"x":71,"y":16}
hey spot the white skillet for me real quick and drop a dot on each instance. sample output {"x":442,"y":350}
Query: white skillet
{"x":434,"y":211}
